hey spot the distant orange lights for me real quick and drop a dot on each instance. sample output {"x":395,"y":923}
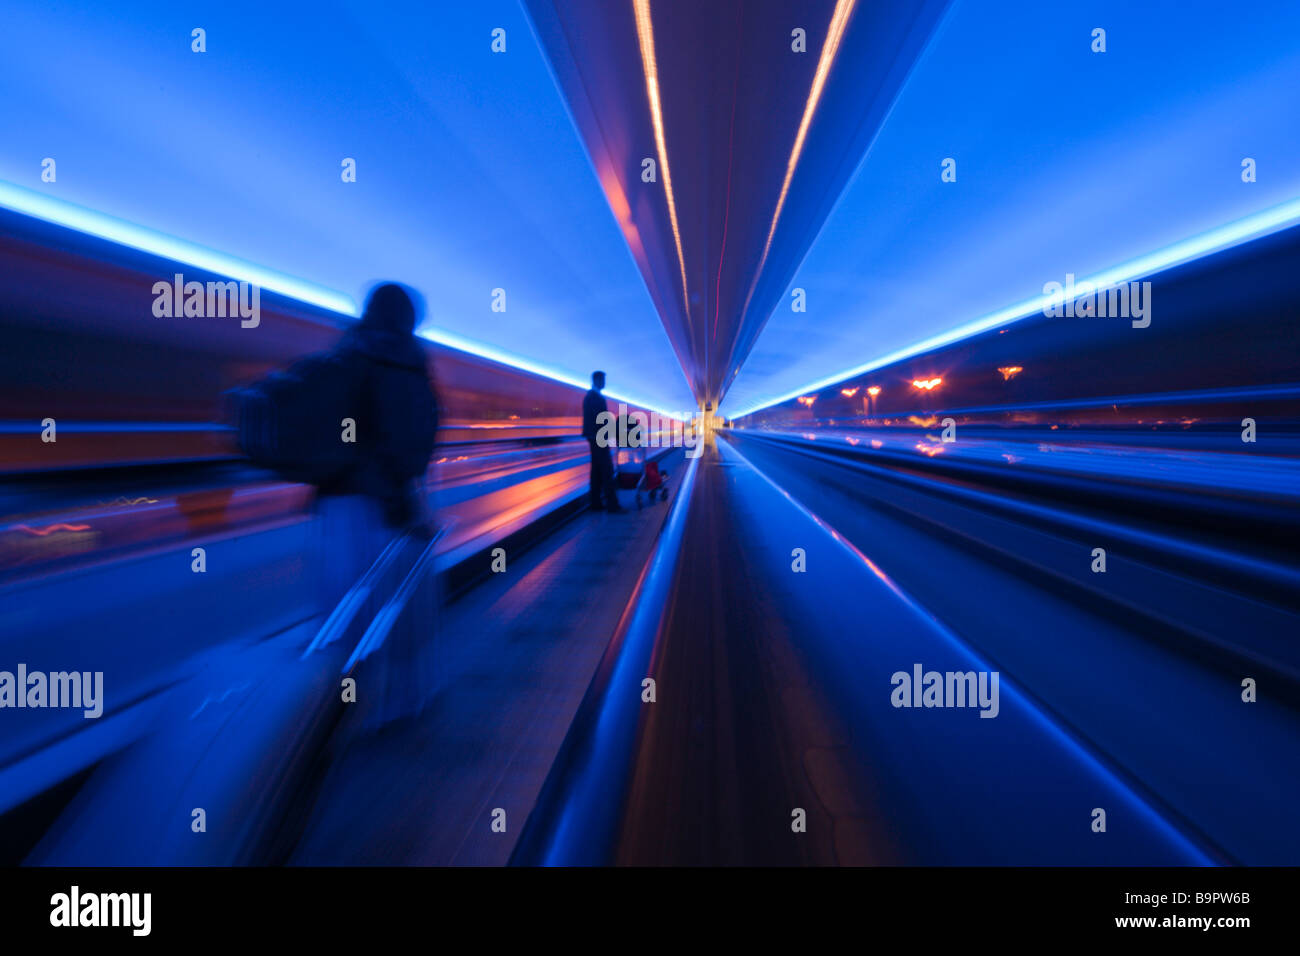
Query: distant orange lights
{"x":807,"y":400}
{"x":927,"y":384}
{"x":1010,"y":371}
{"x":848,"y":392}
{"x":873,"y":390}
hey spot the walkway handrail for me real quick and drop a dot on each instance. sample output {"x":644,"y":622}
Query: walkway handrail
{"x":579,"y":809}
{"x":357,"y":595}
{"x":382,"y":624}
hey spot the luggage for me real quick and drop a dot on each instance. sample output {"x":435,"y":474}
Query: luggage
{"x":292,"y":422}
{"x":637,"y":470}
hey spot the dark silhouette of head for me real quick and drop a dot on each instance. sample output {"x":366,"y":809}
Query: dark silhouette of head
{"x":598,"y":380}
{"x":390,"y":307}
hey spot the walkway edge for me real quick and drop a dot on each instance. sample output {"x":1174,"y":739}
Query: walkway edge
{"x":577,"y":813}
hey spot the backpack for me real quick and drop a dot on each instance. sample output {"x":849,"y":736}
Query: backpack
{"x":292,"y":421}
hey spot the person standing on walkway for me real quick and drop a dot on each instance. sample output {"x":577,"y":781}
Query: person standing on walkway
{"x":604,"y":495}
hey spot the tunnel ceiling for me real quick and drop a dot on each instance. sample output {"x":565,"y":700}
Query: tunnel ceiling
{"x":751,"y":140}
{"x":450,"y":142}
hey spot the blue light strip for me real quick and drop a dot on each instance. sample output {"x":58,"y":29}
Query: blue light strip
{"x":63,"y":213}
{"x":1198,"y":396}
{"x":32,"y":427}
{"x":454,"y":341}
{"x":1216,"y":240}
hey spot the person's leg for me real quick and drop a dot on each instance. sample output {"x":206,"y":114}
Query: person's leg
{"x":350,"y":535}
{"x":595,"y":474}
{"x":609,"y":485}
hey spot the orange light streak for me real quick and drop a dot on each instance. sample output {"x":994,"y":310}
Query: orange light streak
{"x":645,"y":35}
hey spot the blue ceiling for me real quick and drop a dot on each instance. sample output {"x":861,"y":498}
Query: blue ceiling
{"x":470,"y":175}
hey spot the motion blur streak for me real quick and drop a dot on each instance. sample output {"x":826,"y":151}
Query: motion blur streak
{"x":147,"y":240}
{"x":957,"y":577}
{"x":646,"y":38}
{"x":843,"y":9}
{"x":1188,"y":250}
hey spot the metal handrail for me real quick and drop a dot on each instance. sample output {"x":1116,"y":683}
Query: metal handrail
{"x":575,"y":819}
{"x":357,"y":595}
{"x":382,"y":624}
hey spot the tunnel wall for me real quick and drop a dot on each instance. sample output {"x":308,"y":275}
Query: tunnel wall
{"x":83,"y":347}
{"x":1221,"y":344}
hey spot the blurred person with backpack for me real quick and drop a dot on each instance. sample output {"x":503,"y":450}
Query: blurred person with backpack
{"x":382,"y":368}
{"x":359,"y":423}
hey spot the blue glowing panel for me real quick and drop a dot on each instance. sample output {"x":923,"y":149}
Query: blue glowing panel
{"x":1067,"y":161}
{"x":470,"y":176}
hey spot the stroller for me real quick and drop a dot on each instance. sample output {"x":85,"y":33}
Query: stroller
{"x":633,"y":470}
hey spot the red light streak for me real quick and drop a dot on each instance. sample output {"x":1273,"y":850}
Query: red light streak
{"x":50,"y":529}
